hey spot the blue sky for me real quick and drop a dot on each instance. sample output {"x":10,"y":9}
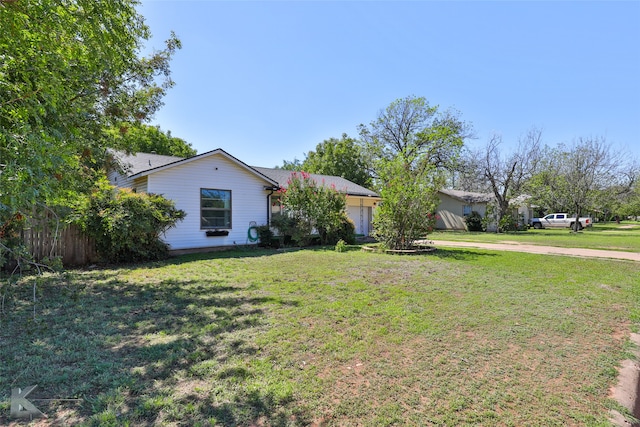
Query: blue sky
{"x":269,"y":80}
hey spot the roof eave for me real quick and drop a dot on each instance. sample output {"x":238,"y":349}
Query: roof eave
{"x":203,"y":155}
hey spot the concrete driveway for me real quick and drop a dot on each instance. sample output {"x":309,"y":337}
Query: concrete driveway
{"x":546,"y":250}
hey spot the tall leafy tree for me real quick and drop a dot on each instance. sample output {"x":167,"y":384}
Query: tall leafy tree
{"x":69,"y":69}
{"x":295,"y":165}
{"x":409,"y":146}
{"x":508,"y":173}
{"x":148,"y":139}
{"x":574,"y":176}
{"x":409,"y":203}
{"x":417,"y":131}
{"x":630,"y":206}
{"x":339,"y":157}
{"x":467,"y":174}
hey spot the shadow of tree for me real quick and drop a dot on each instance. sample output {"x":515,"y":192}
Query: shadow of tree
{"x":461,"y":254}
{"x":254,"y":406}
{"x":140,"y":354}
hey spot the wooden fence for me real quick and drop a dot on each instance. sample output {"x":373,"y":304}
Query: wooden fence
{"x":71,"y":245}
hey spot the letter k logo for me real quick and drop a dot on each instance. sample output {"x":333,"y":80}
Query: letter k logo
{"x":20,"y":406}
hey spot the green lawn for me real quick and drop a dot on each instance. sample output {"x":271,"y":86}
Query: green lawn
{"x":317,"y":337}
{"x":611,"y":236}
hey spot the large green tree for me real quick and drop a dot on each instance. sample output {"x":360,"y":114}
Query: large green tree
{"x":141,"y":138}
{"x":417,"y":131}
{"x":630,"y":206}
{"x":573,"y":177}
{"x":409,"y":146}
{"x":69,"y":69}
{"x":409,"y":202}
{"x":339,"y":157}
{"x":508,"y":173}
{"x":294,"y":166}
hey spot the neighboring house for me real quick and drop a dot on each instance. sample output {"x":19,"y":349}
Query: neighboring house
{"x":222,"y":196}
{"x":361,"y":202}
{"x":522,"y":208}
{"x":455,"y":205}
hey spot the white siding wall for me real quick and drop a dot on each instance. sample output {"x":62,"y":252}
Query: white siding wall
{"x":119,"y":180}
{"x":182,"y":184}
{"x":360,"y":210}
{"x":140,"y":184}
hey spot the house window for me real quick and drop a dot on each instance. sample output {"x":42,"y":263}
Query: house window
{"x":466,"y":210}
{"x":276,"y":205}
{"x":215,"y":208}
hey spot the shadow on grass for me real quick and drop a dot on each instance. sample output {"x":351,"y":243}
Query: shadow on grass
{"x":252,"y":406}
{"x":461,"y":254}
{"x":238,"y":253}
{"x":139,"y":354}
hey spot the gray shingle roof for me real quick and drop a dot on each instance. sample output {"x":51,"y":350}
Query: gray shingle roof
{"x":134,"y":164}
{"x":469,"y":196}
{"x":281,"y":176}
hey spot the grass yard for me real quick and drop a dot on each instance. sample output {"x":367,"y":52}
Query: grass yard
{"x":611,"y":236}
{"x":317,"y":337}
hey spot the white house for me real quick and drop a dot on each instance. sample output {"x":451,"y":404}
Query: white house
{"x":222,"y":196}
{"x":522,"y":206}
{"x":361,"y":202}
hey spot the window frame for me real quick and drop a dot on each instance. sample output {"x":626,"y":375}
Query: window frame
{"x":203,"y":209}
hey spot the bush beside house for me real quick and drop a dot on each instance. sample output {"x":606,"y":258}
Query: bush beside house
{"x":126,"y":226}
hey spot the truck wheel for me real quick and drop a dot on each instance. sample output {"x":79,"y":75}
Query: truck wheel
{"x":537,"y":225}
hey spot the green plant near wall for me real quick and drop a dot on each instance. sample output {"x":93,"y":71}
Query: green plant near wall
{"x":312,"y":206}
{"x":265,"y":236}
{"x":345,"y":232}
{"x":127,"y":226}
{"x":474,"y":222}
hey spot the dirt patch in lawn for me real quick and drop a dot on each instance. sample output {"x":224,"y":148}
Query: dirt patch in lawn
{"x":627,"y":391}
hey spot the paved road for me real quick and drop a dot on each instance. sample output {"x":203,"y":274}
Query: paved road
{"x":547,"y":250}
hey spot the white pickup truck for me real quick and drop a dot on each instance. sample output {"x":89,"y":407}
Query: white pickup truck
{"x":560,"y":220}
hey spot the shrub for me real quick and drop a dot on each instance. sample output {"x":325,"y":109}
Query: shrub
{"x":511,"y":223}
{"x":341,"y":246}
{"x":474,"y":221}
{"x":285,"y":226}
{"x":312,"y":206}
{"x":265,"y":236}
{"x":345,"y":231}
{"x":127,"y":226}
{"x":10,"y":241}
{"x":290,"y":229}
{"x":409,"y":202}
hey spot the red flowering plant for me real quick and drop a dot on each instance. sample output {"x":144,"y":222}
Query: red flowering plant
{"x":312,"y":207}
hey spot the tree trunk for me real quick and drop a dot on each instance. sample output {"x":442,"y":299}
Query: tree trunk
{"x":576,"y":222}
